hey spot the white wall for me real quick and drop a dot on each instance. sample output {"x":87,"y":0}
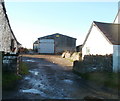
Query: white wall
{"x":96,"y":44}
{"x":117,"y":19}
{"x":116,"y":58}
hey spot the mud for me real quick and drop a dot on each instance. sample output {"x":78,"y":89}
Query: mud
{"x":47,"y":80}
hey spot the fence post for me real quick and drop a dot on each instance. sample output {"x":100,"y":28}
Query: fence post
{"x":18,"y":64}
{"x":1,"y":61}
{"x":19,"y":60}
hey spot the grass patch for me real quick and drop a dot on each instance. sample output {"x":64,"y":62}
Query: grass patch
{"x":23,"y":69}
{"x":9,"y":80}
{"x":103,"y":78}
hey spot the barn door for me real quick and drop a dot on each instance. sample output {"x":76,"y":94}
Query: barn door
{"x":46,"y":46}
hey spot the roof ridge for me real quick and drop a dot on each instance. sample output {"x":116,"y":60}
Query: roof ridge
{"x":106,"y":23}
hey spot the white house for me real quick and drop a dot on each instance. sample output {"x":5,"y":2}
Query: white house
{"x":117,"y":18}
{"x":8,"y":41}
{"x":102,"y":39}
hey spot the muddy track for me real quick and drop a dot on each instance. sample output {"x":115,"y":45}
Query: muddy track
{"x":50,"y":80}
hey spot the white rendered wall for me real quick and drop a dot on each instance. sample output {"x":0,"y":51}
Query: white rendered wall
{"x":117,"y":20}
{"x":97,"y":44}
{"x":116,"y":58}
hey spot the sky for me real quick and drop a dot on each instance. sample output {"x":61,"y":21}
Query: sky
{"x":31,"y":20}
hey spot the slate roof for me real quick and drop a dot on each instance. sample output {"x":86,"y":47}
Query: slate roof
{"x":109,"y":30}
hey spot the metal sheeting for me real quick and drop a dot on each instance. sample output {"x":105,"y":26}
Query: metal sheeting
{"x":46,"y":46}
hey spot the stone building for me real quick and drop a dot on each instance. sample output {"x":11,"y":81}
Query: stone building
{"x":8,"y":41}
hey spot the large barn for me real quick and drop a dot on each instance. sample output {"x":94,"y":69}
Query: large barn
{"x":56,"y":43}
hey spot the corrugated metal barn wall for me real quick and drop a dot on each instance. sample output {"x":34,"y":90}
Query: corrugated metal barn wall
{"x":62,"y":42}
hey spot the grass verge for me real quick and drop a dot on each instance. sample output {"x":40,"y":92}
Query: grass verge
{"x":23,"y":69}
{"x":107,"y":79}
{"x":10,"y":79}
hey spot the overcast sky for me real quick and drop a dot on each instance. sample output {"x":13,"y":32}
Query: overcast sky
{"x":31,"y":20}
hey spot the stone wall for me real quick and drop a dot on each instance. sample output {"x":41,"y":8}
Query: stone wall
{"x":6,"y":34}
{"x":94,"y":63}
{"x":11,"y":62}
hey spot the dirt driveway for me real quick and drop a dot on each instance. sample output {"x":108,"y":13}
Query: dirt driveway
{"x":51,"y":77}
{"x":57,"y":59}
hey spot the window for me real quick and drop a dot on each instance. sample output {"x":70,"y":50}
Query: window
{"x":87,"y":50}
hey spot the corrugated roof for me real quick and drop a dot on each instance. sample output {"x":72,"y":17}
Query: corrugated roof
{"x":36,"y":42}
{"x":51,"y":36}
{"x":110,"y":30}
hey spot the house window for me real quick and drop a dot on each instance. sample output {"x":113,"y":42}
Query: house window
{"x":12,"y":44}
{"x":87,"y":50}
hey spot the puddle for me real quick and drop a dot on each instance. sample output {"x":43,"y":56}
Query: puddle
{"x":32,"y":91}
{"x":40,"y":85}
{"x":27,"y":78}
{"x":29,"y":60}
{"x":68,"y":81}
{"x":34,"y":72}
{"x":37,"y":84}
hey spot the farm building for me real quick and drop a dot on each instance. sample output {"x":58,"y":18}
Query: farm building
{"x":102,"y":39}
{"x":79,"y":48}
{"x":35,"y":46}
{"x":56,"y":43}
{"x":8,"y":41}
